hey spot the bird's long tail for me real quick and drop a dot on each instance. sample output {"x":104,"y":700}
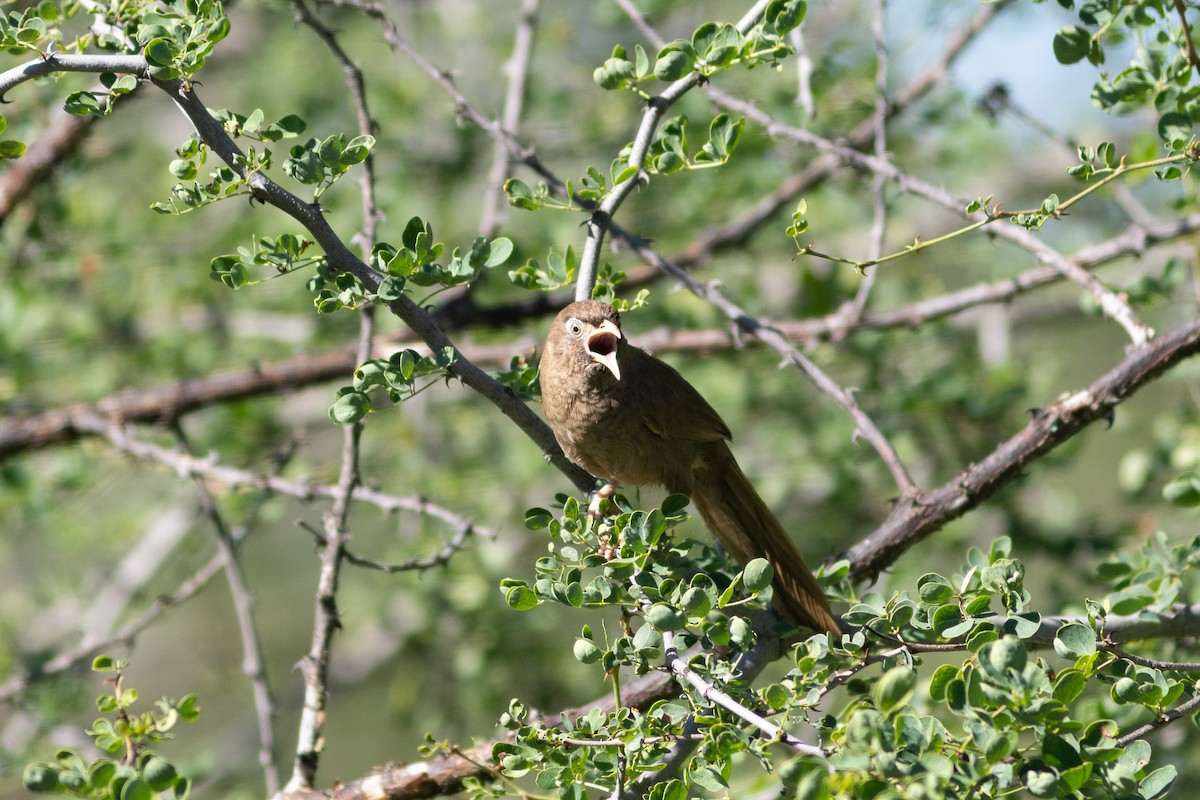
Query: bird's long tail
{"x":741,"y":521}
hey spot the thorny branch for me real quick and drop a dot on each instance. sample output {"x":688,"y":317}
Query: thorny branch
{"x":1067,"y":405}
{"x":253,"y":663}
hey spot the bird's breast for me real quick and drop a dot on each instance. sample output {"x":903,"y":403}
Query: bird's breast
{"x":607,"y":436}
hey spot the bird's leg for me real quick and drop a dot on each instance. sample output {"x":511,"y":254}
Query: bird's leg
{"x":603,"y":493}
{"x":597,"y":509}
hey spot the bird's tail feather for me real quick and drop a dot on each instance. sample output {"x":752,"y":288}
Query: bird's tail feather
{"x":741,"y":521}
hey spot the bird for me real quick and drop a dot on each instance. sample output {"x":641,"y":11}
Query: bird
{"x":629,"y":418}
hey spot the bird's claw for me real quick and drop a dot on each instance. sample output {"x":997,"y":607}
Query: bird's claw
{"x":596,"y":508}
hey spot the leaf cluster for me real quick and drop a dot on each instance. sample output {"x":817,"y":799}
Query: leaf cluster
{"x":1000,"y":720}
{"x":1160,"y":73}
{"x":396,"y":375}
{"x":712,"y":48}
{"x":140,"y":773}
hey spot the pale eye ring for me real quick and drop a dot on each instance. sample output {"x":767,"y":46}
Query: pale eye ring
{"x":575,"y":327}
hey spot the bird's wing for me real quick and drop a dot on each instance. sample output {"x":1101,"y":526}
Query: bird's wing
{"x":673,"y":408}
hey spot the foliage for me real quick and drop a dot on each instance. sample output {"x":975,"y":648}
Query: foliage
{"x":140,"y":773}
{"x":1013,"y":674}
{"x":1002,"y":719}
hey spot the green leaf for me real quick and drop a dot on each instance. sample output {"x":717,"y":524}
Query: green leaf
{"x":674,"y":505}
{"x":757,"y":575}
{"x":329,"y":151}
{"x":1000,"y":747}
{"x":1059,"y":753}
{"x":291,"y":125}
{"x":895,"y":688}
{"x":520,"y":597}
{"x":101,"y":772}
{"x":520,"y":195}
{"x":182,"y":169}
{"x":1126,"y":690}
{"x":159,"y":773}
{"x":538,"y":518}
{"x":253,"y":122}
{"x":946,"y":617}
{"x":1069,"y":684}
{"x":1023,"y":625}
{"x":1131,"y":600}
{"x":614,"y":74}
{"x":41,"y":777}
{"x":1174,"y":128}
{"x":940,"y":681}
{"x":1071,"y":44}
{"x":670,"y":162}
{"x":723,"y":138}
{"x":665,"y":618}
{"x":349,"y":407}
{"x":187,"y":708}
{"x":1074,"y":640}
{"x":672,"y":65}
{"x":741,"y":633}
{"x":1007,"y":653}
{"x":587,"y":651}
{"x":1184,"y":491}
{"x":674,"y":789}
{"x":357,"y":150}
{"x":1041,"y":782}
{"x":160,"y":52}
{"x":786,"y":14}
{"x":11,"y":148}
{"x":136,"y":789}
{"x":104,"y":663}
{"x":1157,"y":783}
{"x":82,"y":103}
{"x":934,"y":589}
{"x":499,"y":252}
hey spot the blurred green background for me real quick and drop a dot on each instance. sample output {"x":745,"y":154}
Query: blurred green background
{"x":98,"y":294}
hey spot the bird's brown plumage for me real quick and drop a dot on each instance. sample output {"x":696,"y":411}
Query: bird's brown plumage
{"x":627,"y":417}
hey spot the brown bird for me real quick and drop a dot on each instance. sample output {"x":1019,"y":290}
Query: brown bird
{"x":627,"y":417}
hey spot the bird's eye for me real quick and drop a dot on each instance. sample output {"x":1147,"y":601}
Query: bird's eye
{"x":574,"y":327}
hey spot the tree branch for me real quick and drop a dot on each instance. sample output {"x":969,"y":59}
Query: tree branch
{"x":313,"y":219}
{"x":253,"y":663}
{"x":601,"y":218}
{"x":912,"y":520}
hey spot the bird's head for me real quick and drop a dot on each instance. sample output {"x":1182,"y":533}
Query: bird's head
{"x":590,"y":331}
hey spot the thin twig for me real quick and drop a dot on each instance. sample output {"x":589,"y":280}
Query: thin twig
{"x":878,"y":183}
{"x":313,"y":218}
{"x":1058,"y":422}
{"x":366,"y":123}
{"x":437,"y":559}
{"x":1179,"y":712}
{"x":253,"y":663}
{"x":864,"y":425}
{"x":326,"y":620}
{"x":601,"y":218}
{"x":680,"y":669}
{"x":1153,"y":663}
{"x":90,"y":645}
{"x":187,"y":465}
{"x":777,"y":342}
{"x":510,"y":119}
{"x":1113,"y":306}
{"x":1186,"y":31}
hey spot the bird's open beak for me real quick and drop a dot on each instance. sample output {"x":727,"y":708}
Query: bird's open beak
{"x":602,"y":346}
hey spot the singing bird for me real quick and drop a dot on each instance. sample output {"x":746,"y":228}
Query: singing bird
{"x":627,"y":417}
